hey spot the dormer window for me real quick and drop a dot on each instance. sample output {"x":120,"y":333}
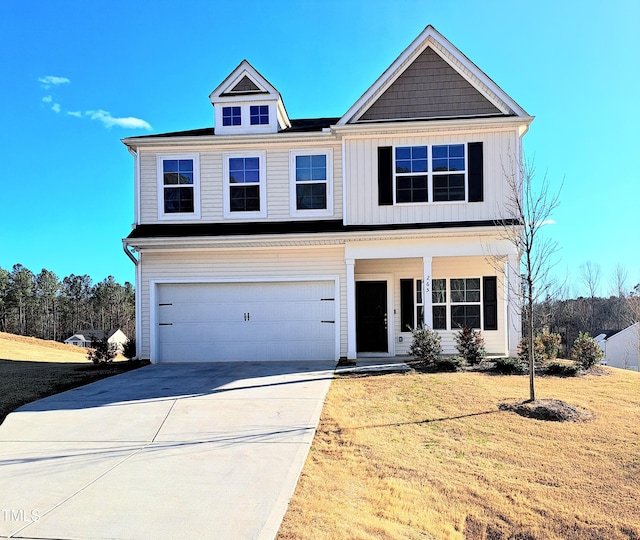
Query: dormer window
{"x":259,"y":114}
{"x":231,"y":116}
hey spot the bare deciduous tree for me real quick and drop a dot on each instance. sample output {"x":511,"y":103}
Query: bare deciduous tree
{"x":529,"y":207}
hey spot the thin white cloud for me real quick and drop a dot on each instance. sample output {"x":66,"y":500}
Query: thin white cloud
{"x":548,"y":222}
{"x":53,"y":80}
{"x":55,"y":107}
{"x":47,"y":99}
{"x":110,"y":121}
{"x":77,"y":114}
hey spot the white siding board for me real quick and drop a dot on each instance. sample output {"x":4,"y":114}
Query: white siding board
{"x":212,"y":183}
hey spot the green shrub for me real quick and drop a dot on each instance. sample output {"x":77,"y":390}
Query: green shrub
{"x":586,"y":351}
{"x":550,"y":344}
{"x":563,"y":370}
{"x":470,"y":345}
{"x":449,"y":363}
{"x":511,"y":366}
{"x":425,"y":345}
{"x":538,"y":350}
{"x":129,"y":348}
{"x":102,"y":351}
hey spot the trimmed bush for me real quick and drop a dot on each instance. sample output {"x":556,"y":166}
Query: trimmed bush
{"x":538,"y":350}
{"x":102,"y":352}
{"x":449,"y":363}
{"x":550,"y":344}
{"x":511,"y":366}
{"x":586,"y":351}
{"x":425,"y":346}
{"x":470,"y":345}
{"x":563,"y":370}
{"x":129,"y":348}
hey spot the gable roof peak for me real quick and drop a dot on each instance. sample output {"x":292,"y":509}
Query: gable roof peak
{"x":431,"y":79}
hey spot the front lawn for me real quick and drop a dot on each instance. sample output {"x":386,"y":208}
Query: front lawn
{"x":432,"y":456}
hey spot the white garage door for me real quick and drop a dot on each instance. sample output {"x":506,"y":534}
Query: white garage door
{"x":209,"y":322}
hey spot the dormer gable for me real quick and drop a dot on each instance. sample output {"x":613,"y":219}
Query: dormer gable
{"x":246,"y":103}
{"x":430,"y":80}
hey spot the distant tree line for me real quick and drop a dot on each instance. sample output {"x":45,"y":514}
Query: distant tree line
{"x":592,"y":314}
{"x":44,"y":306}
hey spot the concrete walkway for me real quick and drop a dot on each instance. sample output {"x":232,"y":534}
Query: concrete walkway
{"x":167,"y":451}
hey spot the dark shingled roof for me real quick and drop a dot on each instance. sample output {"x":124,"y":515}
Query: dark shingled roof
{"x":297,"y":126}
{"x":178,"y":230}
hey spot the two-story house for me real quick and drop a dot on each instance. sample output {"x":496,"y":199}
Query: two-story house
{"x":269,"y":238}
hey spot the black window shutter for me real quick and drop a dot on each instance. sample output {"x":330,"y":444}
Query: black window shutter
{"x":385,"y":176}
{"x":490,"y":301}
{"x":476,"y":188}
{"x":406,"y":305}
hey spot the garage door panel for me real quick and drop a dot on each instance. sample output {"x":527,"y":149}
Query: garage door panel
{"x":200,"y":322}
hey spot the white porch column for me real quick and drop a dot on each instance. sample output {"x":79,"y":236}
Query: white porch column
{"x":426,"y":292}
{"x":513,"y":304}
{"x":351,"y":309}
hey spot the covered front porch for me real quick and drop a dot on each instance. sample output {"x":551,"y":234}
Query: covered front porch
{"x":394,"y":286}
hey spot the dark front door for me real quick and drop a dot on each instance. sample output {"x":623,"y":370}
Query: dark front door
{"x":371,"y":316}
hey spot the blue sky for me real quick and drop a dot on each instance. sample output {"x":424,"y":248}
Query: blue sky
{"x":79,"y":76}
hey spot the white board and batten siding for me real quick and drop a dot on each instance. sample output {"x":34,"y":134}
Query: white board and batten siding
{"x":281,"y":280}
{"x":361,"y":173}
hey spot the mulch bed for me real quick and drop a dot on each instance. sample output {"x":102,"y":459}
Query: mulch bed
{"x":552,"y":410}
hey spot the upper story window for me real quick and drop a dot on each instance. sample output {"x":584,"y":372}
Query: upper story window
{"x":436,"y":173}
{"x":311,"y":182}
{"x":178,"y":186}
{"x":245,"y":193}
{"x":412,"y":174}
{"x":231,"y":116}
{"x":448,"y":167}
{"x":259,"y":115}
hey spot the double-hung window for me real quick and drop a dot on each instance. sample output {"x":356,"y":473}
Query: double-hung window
{"x":465,"y":303}
{"x":245,"y":192}
{"x":178,"y":186}
{"x":311,"y":180}
{"x":448,"y":172}
{"x":434,"y":173}
{"x":439,"y":303}
{"x":412,"y":174}
{"x":231,"y":116}
{"x":259,"y":115}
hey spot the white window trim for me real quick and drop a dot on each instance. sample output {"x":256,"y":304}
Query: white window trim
{"x":178,"y":216}
{"x":430,"y":174}
{"x":245,"y":126}
{"x":262,"y":213}
{"x":451,"y":303}
{"x":293,"y":207}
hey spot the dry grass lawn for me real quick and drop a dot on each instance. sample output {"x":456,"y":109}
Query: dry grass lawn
{"x":31,"y":369}
{"x":431,"y":456}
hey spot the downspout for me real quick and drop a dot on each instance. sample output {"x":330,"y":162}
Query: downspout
{"x":125,"y":247}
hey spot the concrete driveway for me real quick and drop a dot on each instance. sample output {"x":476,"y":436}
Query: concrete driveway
{"x":162,"y":452}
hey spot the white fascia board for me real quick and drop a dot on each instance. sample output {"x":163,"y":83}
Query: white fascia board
{"x":244,"y":68}
{"x":401,"y":128}
{"x":240,"y":141}
{"x":491,"y":235}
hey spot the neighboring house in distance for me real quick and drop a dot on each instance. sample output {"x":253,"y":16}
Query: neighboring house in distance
{"x":622,"y":349}
{"x":85,"y":338}
{"x":270,"y":238}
